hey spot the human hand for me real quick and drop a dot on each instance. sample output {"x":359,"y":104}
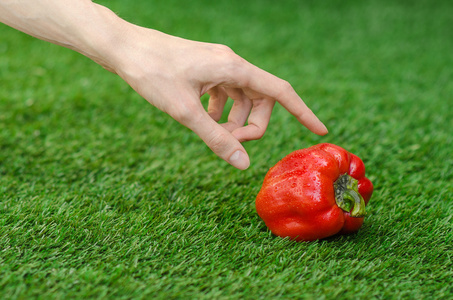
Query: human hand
{"x":173,"y":73}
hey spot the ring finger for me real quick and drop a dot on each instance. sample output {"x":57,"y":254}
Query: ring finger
{"x":239,"y":111}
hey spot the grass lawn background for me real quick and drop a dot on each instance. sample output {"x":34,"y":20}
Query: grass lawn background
{"x":104,"y":196}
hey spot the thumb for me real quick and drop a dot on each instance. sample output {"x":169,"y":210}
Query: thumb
{"x":221,"y":142}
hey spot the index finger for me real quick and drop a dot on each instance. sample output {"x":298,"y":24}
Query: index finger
{"x":281,"y":91}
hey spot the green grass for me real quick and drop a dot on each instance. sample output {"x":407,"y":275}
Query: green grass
{"x":104,"y":196}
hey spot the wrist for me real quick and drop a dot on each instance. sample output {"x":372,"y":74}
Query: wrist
{"x":101,"y":36}
{"x":113,"y":42}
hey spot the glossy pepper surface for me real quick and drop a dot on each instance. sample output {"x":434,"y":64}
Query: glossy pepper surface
{"x":315,"y":193}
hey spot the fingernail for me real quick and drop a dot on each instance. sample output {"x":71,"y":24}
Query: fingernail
{"x":324,"y":129}
{"x":239,"y":160}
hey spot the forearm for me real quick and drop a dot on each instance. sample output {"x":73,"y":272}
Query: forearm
{"x":81,"y":25}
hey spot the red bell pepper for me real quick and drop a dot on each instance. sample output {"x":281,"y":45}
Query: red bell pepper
{"x":315,"y":193}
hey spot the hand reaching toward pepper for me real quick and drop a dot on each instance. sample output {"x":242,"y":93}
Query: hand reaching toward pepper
{"x":169,"y":72}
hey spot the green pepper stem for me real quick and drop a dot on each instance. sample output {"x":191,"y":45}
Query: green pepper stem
{"x":347,"y":196}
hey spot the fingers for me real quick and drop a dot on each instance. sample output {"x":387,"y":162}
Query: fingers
{"x":221,"y":142}
{"x":217,"y":138}
{"x":257,"y":121}
{"x":217,"y":100}
{"x":257,"y":112}
{"x":256,"y":80}
{"x":240,"y":111}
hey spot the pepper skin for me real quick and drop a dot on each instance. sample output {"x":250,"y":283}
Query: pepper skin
{"x":315,"y":193}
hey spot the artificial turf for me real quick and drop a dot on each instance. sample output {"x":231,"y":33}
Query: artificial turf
{"x":104,"y":196}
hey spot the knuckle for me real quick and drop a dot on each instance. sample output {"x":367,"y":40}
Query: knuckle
{"x":286,"y":87}
{"x":253,"y":132}
{"x":258,"y":133}
{"x":236,"y":62}
{"x":228,"y":57}
{"x":224,"y":49}
{"x":283,"y":90}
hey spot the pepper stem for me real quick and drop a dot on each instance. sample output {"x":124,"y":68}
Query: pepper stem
{"x":347,"y":196}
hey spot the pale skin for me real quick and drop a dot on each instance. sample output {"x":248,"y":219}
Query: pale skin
{"x":171,"y":73}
